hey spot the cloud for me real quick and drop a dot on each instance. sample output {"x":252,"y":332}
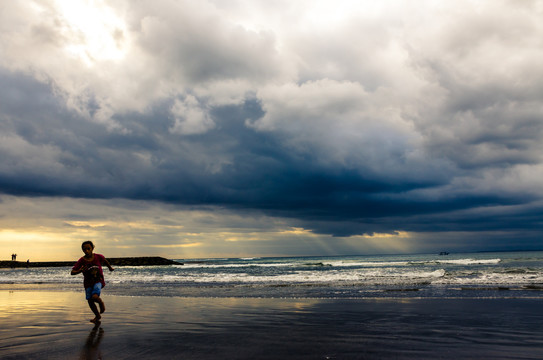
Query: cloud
{"x":190,"y":118}
{"x":345,"y":118}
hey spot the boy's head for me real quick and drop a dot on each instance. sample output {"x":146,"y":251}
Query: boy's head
{"x":87,"y":247}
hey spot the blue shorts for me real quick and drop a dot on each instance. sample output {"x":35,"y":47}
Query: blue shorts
{"x":95,"y":289}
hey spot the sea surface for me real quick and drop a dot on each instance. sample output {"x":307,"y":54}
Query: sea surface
{"x":456,"y":275}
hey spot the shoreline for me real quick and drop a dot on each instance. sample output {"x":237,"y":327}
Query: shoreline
{"x":124,"y":261}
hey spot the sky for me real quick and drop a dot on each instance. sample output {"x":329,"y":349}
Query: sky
{"x":210,"y":128}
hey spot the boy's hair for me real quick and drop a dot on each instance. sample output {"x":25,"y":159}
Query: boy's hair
{"x":87,"y":242}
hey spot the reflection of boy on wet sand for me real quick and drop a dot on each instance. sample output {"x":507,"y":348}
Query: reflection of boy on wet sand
{"x":93,"y":277}
{"x":91,"y":350}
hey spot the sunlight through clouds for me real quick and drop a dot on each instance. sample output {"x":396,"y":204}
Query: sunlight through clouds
{"x":92,"y":31}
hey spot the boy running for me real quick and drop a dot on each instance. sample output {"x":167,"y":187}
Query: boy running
{"x":93,"y":277}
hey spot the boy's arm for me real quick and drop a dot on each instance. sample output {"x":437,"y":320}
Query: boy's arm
{"x":77,"y":269}
{"x":108,"y":264}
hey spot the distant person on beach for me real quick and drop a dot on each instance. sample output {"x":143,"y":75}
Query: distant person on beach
{"x":93,"y":277}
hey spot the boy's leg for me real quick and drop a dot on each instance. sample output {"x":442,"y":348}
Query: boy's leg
{"x":93,"y":295}
{"x":97,"y":291}
{"x":92,"y":305}
{"x":100,"y":302}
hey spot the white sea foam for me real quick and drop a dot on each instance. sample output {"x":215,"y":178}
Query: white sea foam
{"x":367,"y":263}
{"x":493,"y":278}
{"x":345,"y":263}
{"x":218,"y":266}
{"x":470,"y":261}
{"x":332,"y":276}
{"x":423,"y":274}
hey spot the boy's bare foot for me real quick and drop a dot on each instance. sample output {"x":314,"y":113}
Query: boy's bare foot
{"x":96,"y":320}
{"x":102,"y":305}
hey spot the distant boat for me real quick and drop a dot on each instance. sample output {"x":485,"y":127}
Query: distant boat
{"x":443,"y":253}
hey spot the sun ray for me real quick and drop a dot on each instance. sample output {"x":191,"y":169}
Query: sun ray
{"x":93,"y":31}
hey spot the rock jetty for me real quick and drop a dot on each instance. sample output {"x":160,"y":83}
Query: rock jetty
{"x":126,"y":261}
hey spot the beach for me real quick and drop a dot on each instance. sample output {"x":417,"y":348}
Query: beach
{"x":48,"y":324}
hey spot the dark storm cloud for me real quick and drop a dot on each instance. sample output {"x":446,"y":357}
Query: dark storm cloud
{"x":401,"y":130}
{"x":231,"y":165}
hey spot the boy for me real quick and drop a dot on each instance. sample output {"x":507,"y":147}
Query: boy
{"x":93,"y":277}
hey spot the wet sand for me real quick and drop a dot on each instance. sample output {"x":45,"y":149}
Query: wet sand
{"x":54,"y":325}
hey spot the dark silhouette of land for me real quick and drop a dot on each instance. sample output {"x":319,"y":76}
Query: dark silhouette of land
{"x":125,"y":261}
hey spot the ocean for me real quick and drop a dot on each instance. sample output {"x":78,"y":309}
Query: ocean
{"x":458,"y":275}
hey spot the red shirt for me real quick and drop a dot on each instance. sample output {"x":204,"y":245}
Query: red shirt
{"x":92,"y":270}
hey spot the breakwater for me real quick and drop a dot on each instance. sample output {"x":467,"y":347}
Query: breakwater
{"x":124,"y":261}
